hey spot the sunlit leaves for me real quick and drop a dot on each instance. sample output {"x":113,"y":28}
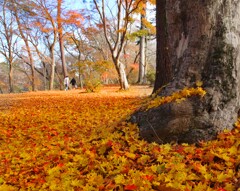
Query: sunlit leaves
{"x":78,"y":141}
{"x":73,"y":17}
{"x":177,"y":96}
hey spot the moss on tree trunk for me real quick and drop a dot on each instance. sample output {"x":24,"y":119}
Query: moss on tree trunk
{"x":204,"y":46}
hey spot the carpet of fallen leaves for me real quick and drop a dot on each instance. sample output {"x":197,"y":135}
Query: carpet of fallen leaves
{"x":76,"y":141}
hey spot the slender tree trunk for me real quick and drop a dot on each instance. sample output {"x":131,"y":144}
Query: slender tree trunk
{"x":116,"y":45}
{"x":51,"y":84}
{"x":10,"y":78}
{"x":81,"y":80}
{"x":64,"y":66}
{"x":60,"y":36}
{"x":121,"y":74}
{"x":10,"y":75}
{"x":203,"y":45}
{"x":60,"y":81}
{"x":80,"y":77}
{"x":7,"y":43}
{"x":33,"y":72}
{"x":44,"y":76}
{"x":142,"y":60}
{"x":29,"y":53}
{"x":123,"y":77}
{"x":146,"y":64}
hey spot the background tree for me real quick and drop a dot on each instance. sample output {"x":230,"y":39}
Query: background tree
{"x":21,"y":13}
{"x":60,"y":36}
{"x":144,"y":33}
{"x":8,"y":40}
{"x":142,"y":60}
{"x":47,"y":23}
{"x":203,"y":48}
{"x":77,"y":44}
{"x":148,"y":31}
{"x":36,"y":39}
{"x":4,"y":85}
{"x":89,"y":50}
{"x":115,"y":31}
{"x":87,"y":45}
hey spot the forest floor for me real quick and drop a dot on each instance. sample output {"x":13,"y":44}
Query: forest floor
{"x":78,"y":141}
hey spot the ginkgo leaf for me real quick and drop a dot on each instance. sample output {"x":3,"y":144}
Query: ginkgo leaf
{"x":130,"y":155}
{"x":7,"y":188}
{"x":119,"y":179}
{"x":229,"y":186}
{"x":222,"y":177}
{"x":143,"y":159}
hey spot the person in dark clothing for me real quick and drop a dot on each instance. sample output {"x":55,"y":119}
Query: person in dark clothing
{"x":73,"y":83}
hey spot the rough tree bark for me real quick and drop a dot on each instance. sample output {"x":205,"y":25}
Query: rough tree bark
{"x":163,"y":67}
{"x":202,"y":41}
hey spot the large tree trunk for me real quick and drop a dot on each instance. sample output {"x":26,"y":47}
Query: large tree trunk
{"x":203,"y":45}
{"x":164,"y":67}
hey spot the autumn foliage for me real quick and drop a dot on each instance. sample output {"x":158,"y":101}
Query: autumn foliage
{"x":77,"y":141}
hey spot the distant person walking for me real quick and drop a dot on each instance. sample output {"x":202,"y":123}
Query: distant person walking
{"x":73,"y":83}
{"x":66,"y":83}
